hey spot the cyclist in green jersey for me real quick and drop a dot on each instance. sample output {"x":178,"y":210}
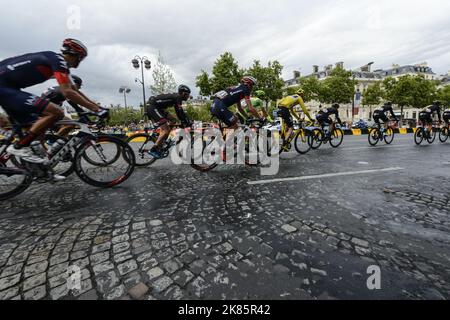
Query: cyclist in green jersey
{"x":257,"y":103}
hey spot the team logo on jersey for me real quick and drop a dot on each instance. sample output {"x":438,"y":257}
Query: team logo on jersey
{"x":13,"y":67}
{"x":32,"y":100}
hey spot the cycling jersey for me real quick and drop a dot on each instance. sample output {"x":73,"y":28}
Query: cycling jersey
{"x":33,"y":68}
{"x":24,"y":71}
{"x":384,"y":110}
{"x":233,"y":95}
{"x":161,"y":103}
{"x":430,"y":110}
{"x":325,"y":114}
{"x":291,"y":101}
{"x":256,"y":103}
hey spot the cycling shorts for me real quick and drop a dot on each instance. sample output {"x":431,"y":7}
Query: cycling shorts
{"x":220,"y":110}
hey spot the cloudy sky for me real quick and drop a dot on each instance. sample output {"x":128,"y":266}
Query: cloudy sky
{"x":191,"y":34}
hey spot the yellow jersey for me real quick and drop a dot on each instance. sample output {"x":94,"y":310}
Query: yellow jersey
{"x":292,"y":101}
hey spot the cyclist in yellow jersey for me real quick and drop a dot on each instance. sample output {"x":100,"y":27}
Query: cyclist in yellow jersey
{"x":286,"y":110}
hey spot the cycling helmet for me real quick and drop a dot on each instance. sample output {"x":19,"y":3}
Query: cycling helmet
{"x":437,"y":103}
{"x":389,"y":103}
{"x":77,"y":80}
{"x":260,"y":94}
{"x":184,"y":89}
{"x":300,"y":92}
{"x":249,"y":80}
{"x":335,"y":105}
{"x":74,"y":47}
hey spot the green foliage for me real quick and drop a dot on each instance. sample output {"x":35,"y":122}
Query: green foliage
{"x":410,"y":91}
{"x":312,"y":88}
{"x":199,"y":113}
{"x":122,"y":116}
{"x":225,"y":73}
{"x":339,"y":87}
{"x":204,"y":84}
{"x":444,"y":95}
{"x":163,"y":80}
{"x":269,"y":78}
{"x":373,"y":95}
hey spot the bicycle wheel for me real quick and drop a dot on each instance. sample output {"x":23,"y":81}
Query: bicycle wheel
{"x":389,"y":135}
{"x":110,"y":173}
{"x":419,"y":136}
{"x":374,"y":137}
{"x":431,"y":137}
{"x":316,"y":139}
{"x":443,"y":134}
{"x":65,"y":167}
{"x":208,"y":155}
{"x":337,"y":138}
{"x":13,"y":181}
{"x":141,"y":145}
{"x":96,"y":159}
{"x":301,"y":141}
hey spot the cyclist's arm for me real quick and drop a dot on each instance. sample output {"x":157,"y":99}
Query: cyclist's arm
{"x":393,"y":114}
{"x":84,"y":96}
{"x":66,"y":89}
{"x":182,"y":116}
{"x":305,"y":110}
{"x":75,"y":106}
{"x":252,"y":109}
{"x":241,"y":110}
{"x":336,"y":113}
{"x":295,"y":114}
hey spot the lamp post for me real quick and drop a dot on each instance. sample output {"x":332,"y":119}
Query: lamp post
{"x":142,"y":62}
{"x":125,"y":90}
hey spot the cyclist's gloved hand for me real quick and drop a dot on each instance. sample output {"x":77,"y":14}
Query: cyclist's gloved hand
{"x":103,"y":114}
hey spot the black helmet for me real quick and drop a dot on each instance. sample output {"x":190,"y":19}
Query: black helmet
{"x":389,"y":103}
{"x":437,"y":103}
{"x":77,"y":80}
{"x":184,"y":89}
{"x":335,"y":105}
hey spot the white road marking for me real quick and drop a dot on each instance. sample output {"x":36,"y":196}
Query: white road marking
{"x":327,"y":175}
{"x":381,"y":147}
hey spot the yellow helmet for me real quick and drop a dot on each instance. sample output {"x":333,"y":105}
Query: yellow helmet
{"x":300,"y":92}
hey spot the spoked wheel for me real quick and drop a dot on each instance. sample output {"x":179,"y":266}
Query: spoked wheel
{"x":419,"y":136}
{"x":13,"y":181}
{"x":141,"y":145}
{"x":374,"y":137}
{"x":432,"y":136}
{"x":443,"y":134}
{"x":65,"y":167}
{"x":316,"y":139}
{"x":301,"y":141}
{"x":389,"y":135}
{"x":337,"y":138}
{"x":110,"y":173}
{"x":101,"y":148}
{"x":204,"y":156}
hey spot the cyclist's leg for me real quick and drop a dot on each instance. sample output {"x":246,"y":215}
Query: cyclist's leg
{"x":285,"y":114}
{"x":219,"y":110}
{"x":161,"y":118}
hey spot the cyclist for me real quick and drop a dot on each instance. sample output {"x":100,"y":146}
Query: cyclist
{"x":231,"y":96}
{"x":156,"y":111}
{"x":381,"y":114}
{"x":55,"y":96}
{"x":28,"y":70}
{"x":286,"y":111}
{"x":446,"y":116}
{"x":324,"y":118}
{"x":426,"y":115}
{"x":257,"y":103}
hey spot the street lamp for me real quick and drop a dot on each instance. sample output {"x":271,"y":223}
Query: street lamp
{"x":144,"y":63}
{"x":125,"y":90}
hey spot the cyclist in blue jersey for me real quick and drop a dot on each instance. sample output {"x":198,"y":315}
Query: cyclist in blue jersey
{"x":231,"y":96}
{"x":28,"y":70}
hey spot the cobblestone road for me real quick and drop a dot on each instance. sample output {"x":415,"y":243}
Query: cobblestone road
{"x":174,"y":233}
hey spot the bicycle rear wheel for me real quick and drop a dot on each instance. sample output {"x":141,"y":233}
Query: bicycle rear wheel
{"x":301,"y":141}
{"x":337,"y":138}
{"x":419,"y":136}
{"x":431,"y":137}
{"x":389,"y":135}
{"x":13,"y":181}
{"x":209,"y":157}
{"x":316,"y":139}
{"x":443,"y":134}
{"x":141,"y":144}
{"x":110,"y":173}
{"x":374,"y":137}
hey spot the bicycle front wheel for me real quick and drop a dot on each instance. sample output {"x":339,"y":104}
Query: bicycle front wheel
{"x":374,"y":137}
{"x":110,"y":173}
{"x":13,"y":181}
{"x":389,"y":136}
{"x":337,"y":138}
{"x":302,"y":141}
{"x":431,"y":137}
{"x":142,"y":144}
{"x":443,"y":134}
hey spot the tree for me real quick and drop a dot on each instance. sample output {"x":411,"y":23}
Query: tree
{"x":225,"y":73}
{"x":373,"y":96}
{"x":312,"y":87}
{"x":163,"y":79}
{"x":339,"y":87}
{"x":204,"y":84}
{"x":269,"y":78}
{"x":444,"y":95}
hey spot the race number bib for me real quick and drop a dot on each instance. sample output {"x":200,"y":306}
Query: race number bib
{"x":222,"y":94}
